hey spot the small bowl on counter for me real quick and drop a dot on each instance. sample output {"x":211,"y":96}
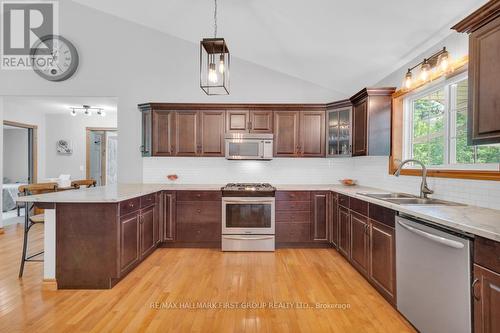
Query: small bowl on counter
{"x":348,"y":182}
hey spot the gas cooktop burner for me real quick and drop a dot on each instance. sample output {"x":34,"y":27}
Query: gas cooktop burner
{"x":248,"y":189}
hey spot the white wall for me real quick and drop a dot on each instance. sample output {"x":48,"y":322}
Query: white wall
{"x":18,"y":113}
{"x":65,"y":126}
{"x":456,"y":43}
{"x":15,"y":149}
{"x":137,"y":65}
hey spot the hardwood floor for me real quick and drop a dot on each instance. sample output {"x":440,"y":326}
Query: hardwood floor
{"x":145,"y":299}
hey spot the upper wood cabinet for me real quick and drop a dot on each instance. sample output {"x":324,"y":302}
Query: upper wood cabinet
{"x":249,"y":121}
{"x":371,"y":121}
{"x":299,"y":133}
{"x":186,"y":133}
{"x":212,"y":133}
{"x":286,"y":133}
{"x":483,"y":27}
{"x":163,"y":133}
{"x":338,"y":129}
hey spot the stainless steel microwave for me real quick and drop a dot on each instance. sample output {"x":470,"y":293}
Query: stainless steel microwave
{"x":249,"y":146}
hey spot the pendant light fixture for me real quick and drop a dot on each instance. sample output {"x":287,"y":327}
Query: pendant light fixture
{"x":87,"y":110}
{"x":214,"y":63}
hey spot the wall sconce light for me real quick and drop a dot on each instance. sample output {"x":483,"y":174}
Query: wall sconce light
{"x":439,"y":60}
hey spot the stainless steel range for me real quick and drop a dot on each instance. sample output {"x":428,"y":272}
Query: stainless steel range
{"x":248,"y":217}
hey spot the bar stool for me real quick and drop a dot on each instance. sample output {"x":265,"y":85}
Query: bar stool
{"x":37,"y":217}
{"x":84,"y":182}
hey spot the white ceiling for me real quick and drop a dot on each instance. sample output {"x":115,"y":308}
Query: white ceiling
{"x":342,"y":45}
{"x":59,"y":104}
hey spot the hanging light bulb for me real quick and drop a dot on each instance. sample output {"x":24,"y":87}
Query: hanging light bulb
{"x":444,"y":60}
{"x":100,"y":112}
{"x":212,"y":74}
{"x":221,"y":64}
{"x":73,"y":112}
{"x":408,"y":79}
{"x":424,"y":70}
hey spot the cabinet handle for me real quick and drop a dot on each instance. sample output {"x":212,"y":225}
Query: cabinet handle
{"x":198,"y":195}
{"x":131,"y":204}
{"x":473,"y":291}
{"x":198,"y":211}
{"x":249,"y":125}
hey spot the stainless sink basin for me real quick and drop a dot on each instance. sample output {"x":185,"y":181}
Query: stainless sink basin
{"x":408,"y":199}
{"x":422,"y":201}
{"x":388,"y":195}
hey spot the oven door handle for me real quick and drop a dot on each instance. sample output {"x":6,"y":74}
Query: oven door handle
{"x":247,"y":237}
{"x":248,"y":201}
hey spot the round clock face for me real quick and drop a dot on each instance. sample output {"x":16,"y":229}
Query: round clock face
{"x":54,"y":58}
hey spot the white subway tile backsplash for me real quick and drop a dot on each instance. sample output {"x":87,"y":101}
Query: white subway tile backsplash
{"x":369,"y":171}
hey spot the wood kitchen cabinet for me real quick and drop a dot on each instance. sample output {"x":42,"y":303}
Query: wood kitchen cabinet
{"x":371,"y":121}
{"x":483,"y":27}
{"x":293,"y":218}
{"x":333,"y":229}
{"x":148,"y":224}
{"x":486,"y":285}
{"x":163,"y":133}
{"x":130,"y":241}
{"x":168,"y":216}
{"x":338,"y":129}
{"x":299,"y":133}
{"x":211,"y":133}
{"x":320,"y":214}
{"x":249,"y":121}
{"x":187,"y":133}
{"x":359,"y":242}
{"x":344,"y":220}
{"x":286,"y":133}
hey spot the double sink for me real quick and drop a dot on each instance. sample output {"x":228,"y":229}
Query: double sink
{"x":408,"y":199}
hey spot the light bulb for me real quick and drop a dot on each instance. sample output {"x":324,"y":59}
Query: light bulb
{"x":444,"y":62}
{"x":221,"y":64}
{"x":87,"y":112}
{"x":212,"y":74}
{"x":73,"y":112}
{"x":408,"y":79}
{"x":101,"y":113}
{"x":424,"y":70}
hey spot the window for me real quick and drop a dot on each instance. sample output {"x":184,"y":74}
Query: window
{"x":435,"y":129}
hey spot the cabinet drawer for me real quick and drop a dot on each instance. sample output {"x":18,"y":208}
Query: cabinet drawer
{"x":129,"y":206}
{"x":381,"y":214}
{"x":148,"y":200}
{"x":487,"y":253}
{"x":359,"y":206}
{"x":293,"y":216}
{"x":293,"y":205}
{"x":293,"y":232}
{"x":198,"y":195}
{"x":199,"y":212}
{"x":343,"y":200}
{"x":292,"y":196}
{"x":199,"y":232}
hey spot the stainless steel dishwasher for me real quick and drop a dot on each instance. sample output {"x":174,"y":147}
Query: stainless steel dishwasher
{"x":433,"y":275}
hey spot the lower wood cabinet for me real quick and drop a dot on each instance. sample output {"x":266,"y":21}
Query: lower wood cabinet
{"x":320,"y":215}
{"x":130,"y":241}
{"x":148,"y":222}
{"x":333,"y":229}
{"x":169,"y":215}
{"x":344,"y":220}
{"x":359,"y":242}
{"x":382,"y":259}
{"x":486,"y":285}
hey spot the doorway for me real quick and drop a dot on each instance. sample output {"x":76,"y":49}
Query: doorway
{"x":101,"y":160}
{"x":19,"y":166}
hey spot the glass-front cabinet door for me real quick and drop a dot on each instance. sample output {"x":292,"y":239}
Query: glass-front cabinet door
{"x":338,"y":141}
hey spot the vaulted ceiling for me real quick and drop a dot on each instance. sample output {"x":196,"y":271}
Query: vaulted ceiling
{"x":341,"y":45}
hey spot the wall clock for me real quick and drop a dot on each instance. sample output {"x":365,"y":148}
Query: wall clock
{"x":54,"y":58}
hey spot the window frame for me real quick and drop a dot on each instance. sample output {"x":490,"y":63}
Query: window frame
{"x":398,"y":124}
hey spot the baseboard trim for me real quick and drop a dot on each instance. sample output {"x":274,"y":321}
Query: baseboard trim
{"x":49,"y":284}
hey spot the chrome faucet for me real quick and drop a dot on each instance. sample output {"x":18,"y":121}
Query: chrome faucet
{"x":424,"y":189}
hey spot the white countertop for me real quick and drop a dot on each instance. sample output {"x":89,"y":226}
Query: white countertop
{"x":471,"y":219}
